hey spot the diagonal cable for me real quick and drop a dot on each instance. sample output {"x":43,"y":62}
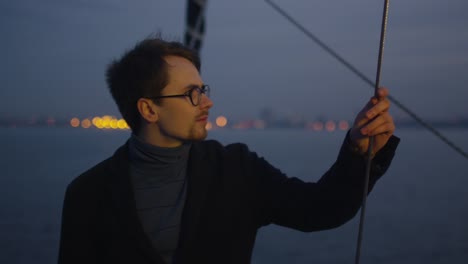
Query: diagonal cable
{"x":365,"y":79}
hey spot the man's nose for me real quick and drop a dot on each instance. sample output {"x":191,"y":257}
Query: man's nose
{"x":206,"y":102}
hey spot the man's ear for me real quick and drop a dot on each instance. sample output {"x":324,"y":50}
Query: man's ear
{"x":148,"y":110}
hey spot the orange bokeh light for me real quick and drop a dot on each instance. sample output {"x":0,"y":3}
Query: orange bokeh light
{"x":330,"y":126}
{"x":343,"y":125}
{"x":221,"y":121}
{"x":75,"y":122}
{"x":86,"y":123}
{"x":317,"y":126}
{"x":208,"y":125}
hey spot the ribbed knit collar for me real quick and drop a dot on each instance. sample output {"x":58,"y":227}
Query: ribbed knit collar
{"x":145,"y":154}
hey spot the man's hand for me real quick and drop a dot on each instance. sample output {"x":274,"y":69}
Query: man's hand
{"x":373,"y":120}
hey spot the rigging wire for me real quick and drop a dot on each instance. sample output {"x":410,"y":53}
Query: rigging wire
{"x":365,"y":79}
{"x":371,"y":139}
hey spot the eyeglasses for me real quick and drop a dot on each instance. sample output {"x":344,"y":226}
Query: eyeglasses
{"x":195,"y":94}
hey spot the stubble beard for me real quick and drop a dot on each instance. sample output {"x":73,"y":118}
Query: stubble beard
{"x":197,"y":134}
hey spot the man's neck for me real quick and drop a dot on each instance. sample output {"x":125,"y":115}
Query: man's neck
{"x":156,"y":139}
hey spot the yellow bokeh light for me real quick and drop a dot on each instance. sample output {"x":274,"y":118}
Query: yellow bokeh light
{"x":113,"y":123}
{"x":121,"y":124}
{"x":221,"y":121}
{"x":86,"y":123}
{"x":97,"y":122}
{"x":75,"y":122}
{"x":106,"y":121}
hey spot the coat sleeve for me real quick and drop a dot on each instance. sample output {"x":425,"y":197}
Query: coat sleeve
{"x":78,"y":243}
{"x":312,"y":206}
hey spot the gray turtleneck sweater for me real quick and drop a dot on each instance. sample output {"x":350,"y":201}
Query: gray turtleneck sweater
{"x":159,"y":182}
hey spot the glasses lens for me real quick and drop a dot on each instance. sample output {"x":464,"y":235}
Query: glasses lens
{"x":196,"y":94}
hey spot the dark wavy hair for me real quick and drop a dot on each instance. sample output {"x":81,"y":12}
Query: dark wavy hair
{"x":142,"y":72}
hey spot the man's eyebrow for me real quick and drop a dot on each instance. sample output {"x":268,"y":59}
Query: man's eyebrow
{"x":191,"y":86}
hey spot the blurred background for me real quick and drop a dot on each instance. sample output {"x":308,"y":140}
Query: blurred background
{"x":54,"y":55}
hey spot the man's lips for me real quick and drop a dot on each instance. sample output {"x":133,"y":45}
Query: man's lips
{"x":203,"y":118}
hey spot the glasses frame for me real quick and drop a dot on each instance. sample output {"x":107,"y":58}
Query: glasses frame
{"x":204,"y":89}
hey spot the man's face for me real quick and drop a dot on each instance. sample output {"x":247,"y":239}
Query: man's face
{"x":178,"y":119}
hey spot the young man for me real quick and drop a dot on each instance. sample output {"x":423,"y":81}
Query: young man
{"x":169,"y":196}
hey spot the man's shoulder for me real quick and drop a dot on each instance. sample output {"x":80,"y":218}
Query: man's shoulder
{"x":219,"y":148}
{"x":233,"y":153}
{"x":99,"y":174}
{"x":94,"y":173}
{"x":89,"y":180}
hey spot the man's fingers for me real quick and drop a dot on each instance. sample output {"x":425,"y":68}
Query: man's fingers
{"x":382,"y":124}
{"x":380,"y":107}
{"x":384,"y":129}
{"x":374,"y":107}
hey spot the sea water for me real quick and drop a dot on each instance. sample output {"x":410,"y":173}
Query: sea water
{"x":417,"y":213}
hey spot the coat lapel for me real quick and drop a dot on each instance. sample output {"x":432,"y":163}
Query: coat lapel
{"x":199,"y":176}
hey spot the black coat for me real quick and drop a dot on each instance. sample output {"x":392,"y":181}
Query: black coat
{"x":231,"y":193}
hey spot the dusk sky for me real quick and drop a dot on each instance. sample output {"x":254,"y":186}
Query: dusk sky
{"x":54,"y":55}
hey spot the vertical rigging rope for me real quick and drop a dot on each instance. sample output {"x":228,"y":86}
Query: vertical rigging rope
{"x":371,"y":139}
